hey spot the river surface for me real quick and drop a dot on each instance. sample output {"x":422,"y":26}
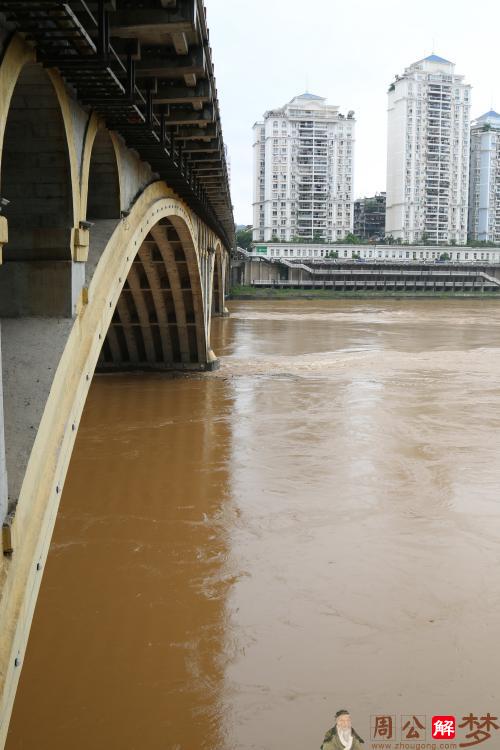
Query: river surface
{"x":315,"y":526}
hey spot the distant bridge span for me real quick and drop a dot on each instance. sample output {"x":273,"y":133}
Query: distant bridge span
{"x":114,"y":247}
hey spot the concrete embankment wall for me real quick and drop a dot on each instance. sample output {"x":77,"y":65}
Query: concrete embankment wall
{"x":363,"y":276}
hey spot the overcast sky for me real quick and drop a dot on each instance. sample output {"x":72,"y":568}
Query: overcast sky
{"x":267,"y":51}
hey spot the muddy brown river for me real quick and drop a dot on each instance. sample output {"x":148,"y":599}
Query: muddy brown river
{"x":316,"y":526}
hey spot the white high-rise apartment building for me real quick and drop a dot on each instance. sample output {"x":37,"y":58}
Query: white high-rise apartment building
{"x":484,"y":194}
{"x":428,"y":154}
{"x":303,"y":167}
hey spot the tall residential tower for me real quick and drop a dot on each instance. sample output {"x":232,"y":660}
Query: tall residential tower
{"x":303,"y":167}
{"x":484,"y":195}
{"x":428,"y":154}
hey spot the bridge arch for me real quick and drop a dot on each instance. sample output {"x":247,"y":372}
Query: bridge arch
{"x":158,"y":321}
{"x":17,"y":55}
{"x":217,"y":307}
{"x":100,"y":187}
{"x":159,"y":223}
{"x":38,"y":177}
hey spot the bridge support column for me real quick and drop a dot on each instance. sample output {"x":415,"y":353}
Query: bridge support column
{"x":48,"y":288}
{"x":3,"y":469}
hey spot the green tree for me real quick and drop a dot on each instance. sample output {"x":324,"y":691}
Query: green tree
{"x":244,"y":238}
{"x":351,"y":239}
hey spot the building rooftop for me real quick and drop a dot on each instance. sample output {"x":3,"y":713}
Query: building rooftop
{"x":307,"y":95}
{"x":487,"y":121}
{"x":489,"y":114}
{"x":437,"y":59}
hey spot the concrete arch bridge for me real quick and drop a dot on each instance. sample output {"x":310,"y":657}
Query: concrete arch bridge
{"x":115,"y":231}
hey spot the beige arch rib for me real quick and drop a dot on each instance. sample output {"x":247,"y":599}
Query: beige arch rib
{"x":217,"y":276}
{"x":113,"y":344}
{"x":95,"y":124}
{"x":159,"y":303}
{"x":195,"y":273}
{"x":219,"y":254}
{"x":140,"y":305}
{"x":160,"y":236}
{"x":124,"y":316}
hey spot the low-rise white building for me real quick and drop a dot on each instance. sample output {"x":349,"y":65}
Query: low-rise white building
{"x":484,"y":192}
{"x":396,"y":253}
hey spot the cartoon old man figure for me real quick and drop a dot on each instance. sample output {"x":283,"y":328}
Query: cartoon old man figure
{"x":342,"y":735}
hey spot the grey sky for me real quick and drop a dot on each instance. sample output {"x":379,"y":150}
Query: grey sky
{"x":348,"y":51}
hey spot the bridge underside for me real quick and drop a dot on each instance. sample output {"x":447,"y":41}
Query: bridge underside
{"x":158,"y":320}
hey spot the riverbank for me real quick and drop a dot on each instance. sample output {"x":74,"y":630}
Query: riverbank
{"x":276,"y":293}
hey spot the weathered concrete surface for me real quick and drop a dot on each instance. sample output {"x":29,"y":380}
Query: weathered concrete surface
{"x":135,"y":174}
{"x":3,"y":471}
{"x":40,"y":288}
{"x":100,"y":234}
{"x":103,"y":200}
{"x":32,"y":348}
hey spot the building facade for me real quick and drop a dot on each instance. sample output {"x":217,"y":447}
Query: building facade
{"x":369,"y":217}
{"x":305,"y":253}
{"x":428,"y":154}
{"x":484,"y":180}
{"x":303,"y":172}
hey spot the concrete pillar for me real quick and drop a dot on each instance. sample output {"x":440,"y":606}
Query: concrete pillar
{"x":48,"y":288}
{"x":3,"y":469}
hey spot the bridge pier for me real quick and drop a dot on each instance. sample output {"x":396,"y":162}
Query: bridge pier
{"x":48,"y":288}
